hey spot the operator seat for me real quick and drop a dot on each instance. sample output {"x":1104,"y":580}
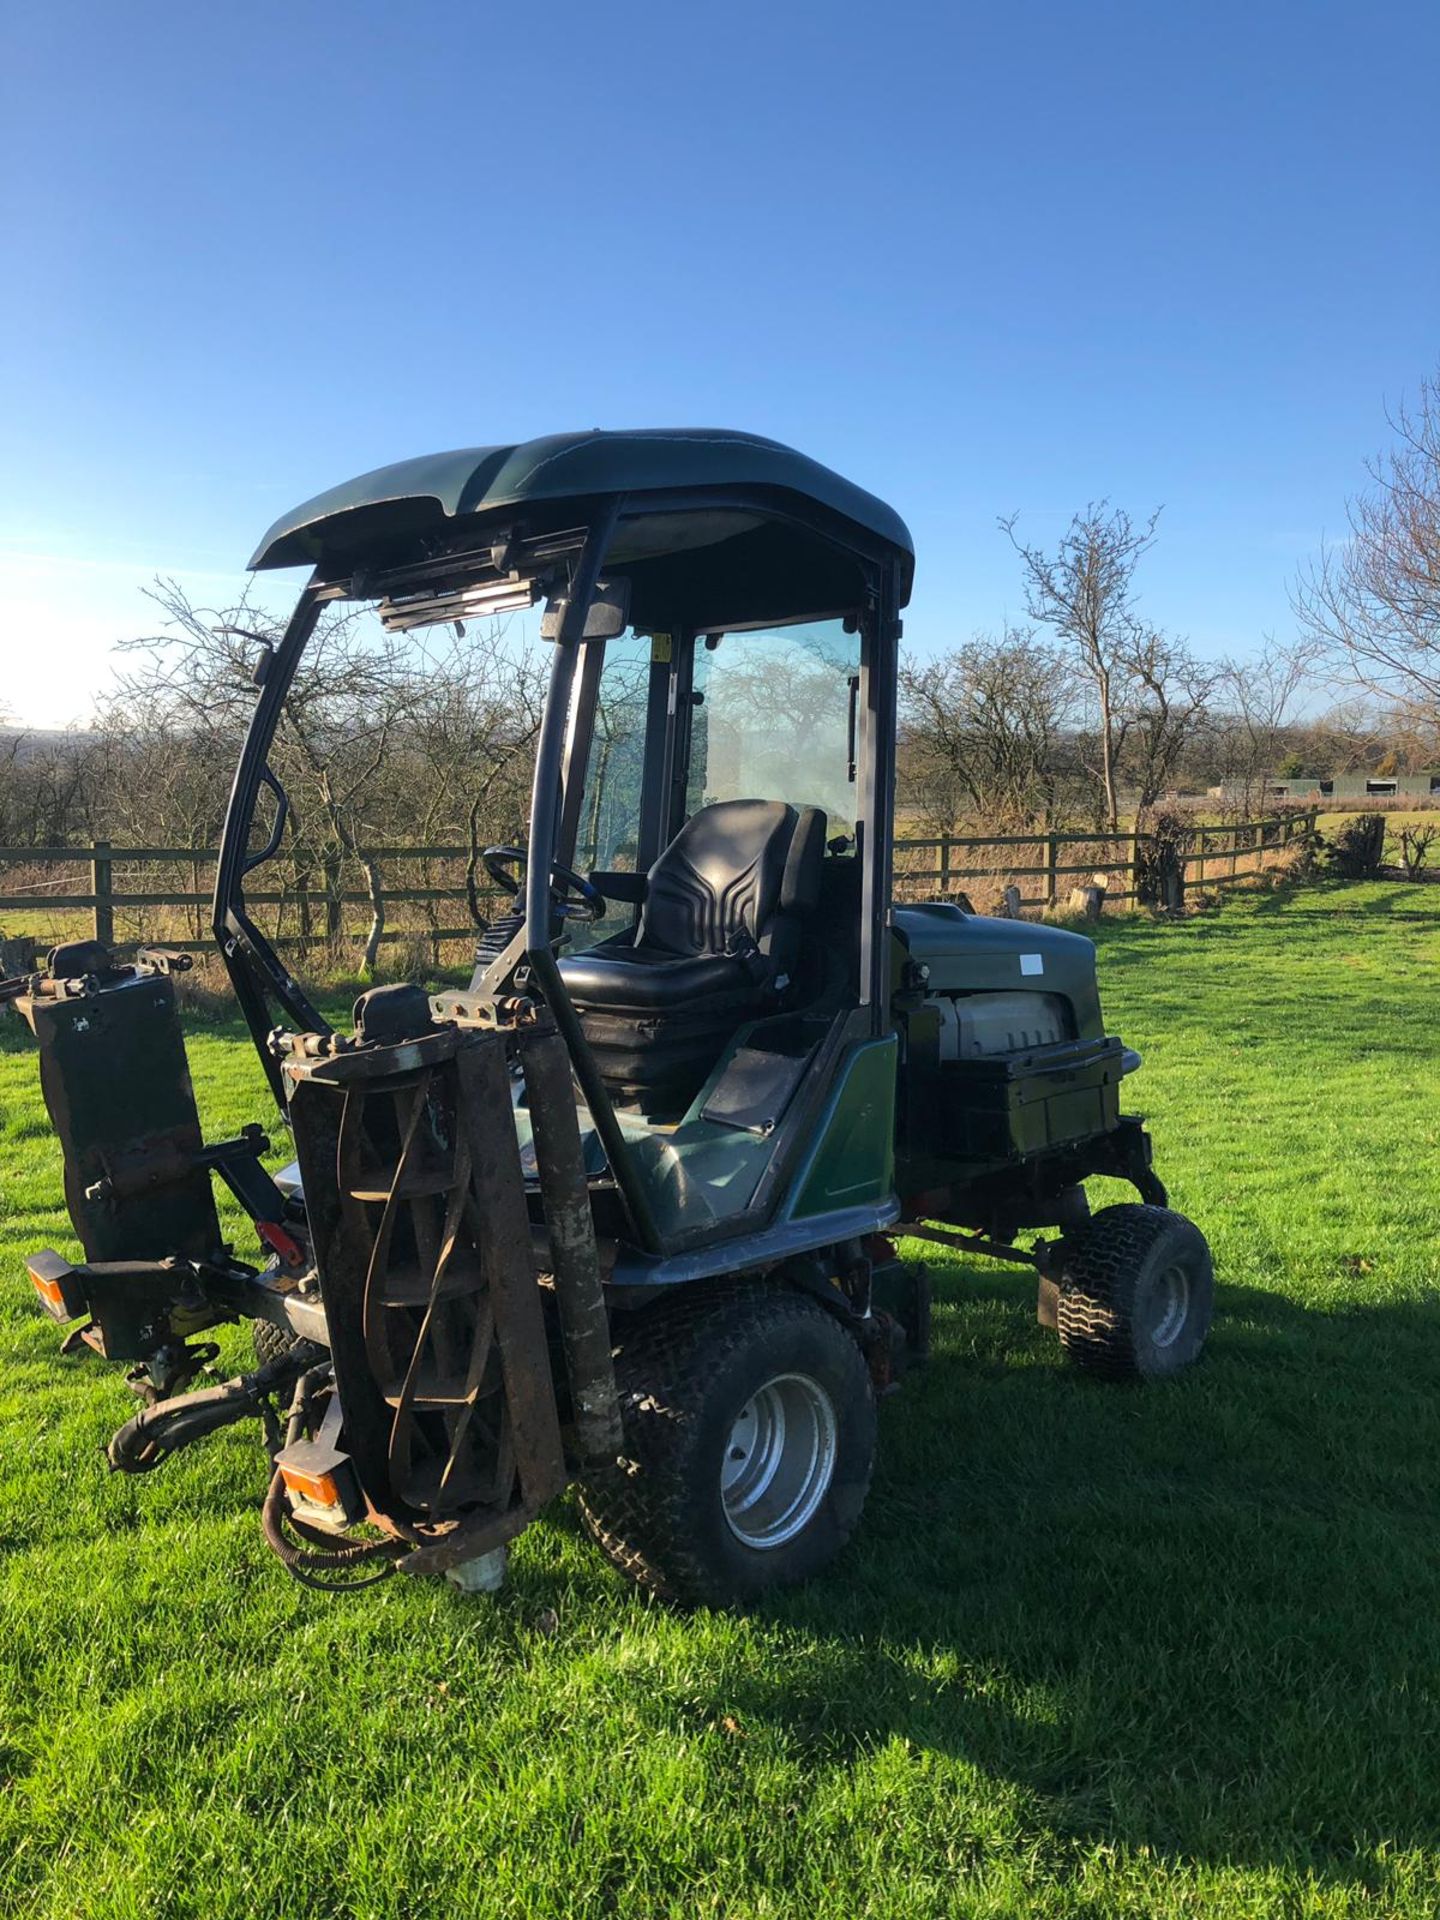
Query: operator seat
{"x":716,"y":944}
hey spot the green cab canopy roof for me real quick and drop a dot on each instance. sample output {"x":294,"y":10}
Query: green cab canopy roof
{"x":415,"y":497}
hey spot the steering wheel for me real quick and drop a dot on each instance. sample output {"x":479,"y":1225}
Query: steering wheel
{"x":571,"y":894}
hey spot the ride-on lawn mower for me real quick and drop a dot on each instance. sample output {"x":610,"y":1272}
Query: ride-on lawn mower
{"x":623,"y":1210}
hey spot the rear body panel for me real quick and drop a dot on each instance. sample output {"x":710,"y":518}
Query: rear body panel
{"x":117,"y":1088}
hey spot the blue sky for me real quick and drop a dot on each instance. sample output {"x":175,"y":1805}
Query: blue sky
{"x":981,"y":259}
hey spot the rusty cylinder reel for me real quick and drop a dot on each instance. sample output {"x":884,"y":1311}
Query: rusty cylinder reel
{"x":416,"y":1207}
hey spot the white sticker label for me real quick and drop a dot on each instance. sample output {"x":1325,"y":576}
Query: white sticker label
{"x":1032,"y":963}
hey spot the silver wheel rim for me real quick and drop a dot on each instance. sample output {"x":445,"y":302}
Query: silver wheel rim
{"x":779,"y":1460}
{"x":1170,"y":1306}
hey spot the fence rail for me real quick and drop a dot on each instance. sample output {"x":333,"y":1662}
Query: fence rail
{"x":1212,"y":856}
{"x":317,"y":910}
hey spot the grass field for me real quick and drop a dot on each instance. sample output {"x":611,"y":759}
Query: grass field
{"x":1096,"y":1651}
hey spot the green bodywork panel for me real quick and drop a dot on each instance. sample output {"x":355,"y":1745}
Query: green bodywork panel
{"x":702,"y":1172}
{"x":968,"y":953}
{"x":962,"y":1118}
{"x":697,"y":1173}
{"x":440,"y":487}
{"x":853,"y":1162}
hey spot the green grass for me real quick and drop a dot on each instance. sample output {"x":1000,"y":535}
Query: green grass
{"x":1096,"y":1651}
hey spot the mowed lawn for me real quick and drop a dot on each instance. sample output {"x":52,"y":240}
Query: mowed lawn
{"x":1096,"y":1650}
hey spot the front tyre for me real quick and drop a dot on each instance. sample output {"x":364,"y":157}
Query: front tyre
{"x":749,"y":1442}
{"x":272,"y":1342}
{"x":1137,"y":1290}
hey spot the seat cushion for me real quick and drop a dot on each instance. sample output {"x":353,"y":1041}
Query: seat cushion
{"x":644,"y":980}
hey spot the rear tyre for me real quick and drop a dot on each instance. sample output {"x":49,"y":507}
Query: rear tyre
{"x":749,"y":1442}
{"x":1137,"y":1290}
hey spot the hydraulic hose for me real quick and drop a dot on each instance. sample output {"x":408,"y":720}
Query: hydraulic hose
{"x":322,"y":1553}
{"x":308,"y":1563}
{"x":148,"y":1440}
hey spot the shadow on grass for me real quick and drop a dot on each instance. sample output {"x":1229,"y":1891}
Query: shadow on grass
{"x":1325,"y":901}
{"x":1198,"y":1619}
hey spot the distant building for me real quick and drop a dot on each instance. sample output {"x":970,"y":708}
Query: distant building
{"x":1358,"y":786}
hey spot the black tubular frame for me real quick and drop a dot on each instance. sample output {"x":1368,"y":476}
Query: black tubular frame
{"x":546,"y":800}
{"x":257,"y":973}
{"x":879,"y":670}
{"x":262,"y":982}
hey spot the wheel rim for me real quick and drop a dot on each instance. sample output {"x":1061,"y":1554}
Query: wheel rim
{"x":779,"y":1460}
{"x":1170,"y":1306}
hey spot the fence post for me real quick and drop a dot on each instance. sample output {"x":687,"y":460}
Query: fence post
{"x":944,"y":865}
{"x":1052,"y":860}
{"x":100,"y":886}
{"x":1134,"y":881}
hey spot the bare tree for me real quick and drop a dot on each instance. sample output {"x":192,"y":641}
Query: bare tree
{"x":1164,"y":706}
{"x":1349,"y":737}
{"x":51,"y":788}
{"x":1084,"y":592}
{"x":1373,"y":604}
{"x":462,"y":767}
{"x":382,"y":737}
{"x":196,"y":682}
{"x":1261,"y":693}
{"x":1415,"y":737}
{"x":987,"y":731}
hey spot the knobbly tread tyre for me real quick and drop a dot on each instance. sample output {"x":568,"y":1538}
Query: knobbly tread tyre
{"x":270,"y":1342}
{"x":657,"y":1514}
{"x":1109,"y":1264}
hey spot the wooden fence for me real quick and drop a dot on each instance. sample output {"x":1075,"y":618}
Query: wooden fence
{"x":1208,"y":856}
{"x":303,"y":910}
{"x":119,"y":906}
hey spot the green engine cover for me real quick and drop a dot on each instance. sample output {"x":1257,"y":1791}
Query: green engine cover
{"x":967,"y":953}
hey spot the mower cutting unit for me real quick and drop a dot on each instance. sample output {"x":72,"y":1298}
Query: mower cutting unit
{"x":623,"y":1210}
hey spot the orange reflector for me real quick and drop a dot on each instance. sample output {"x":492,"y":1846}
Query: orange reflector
{"x":318,"y":1488}
{"x":51,"y":1292}
{"x":59,"y":1285}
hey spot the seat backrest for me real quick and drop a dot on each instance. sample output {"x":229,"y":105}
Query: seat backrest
{"x":740,"y":865}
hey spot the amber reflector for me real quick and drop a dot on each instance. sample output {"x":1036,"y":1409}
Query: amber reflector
{"x":52,"y":1293}
{"x":318,"y":1488}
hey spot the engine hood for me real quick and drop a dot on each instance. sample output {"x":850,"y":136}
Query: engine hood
{"x":969,"y":953}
